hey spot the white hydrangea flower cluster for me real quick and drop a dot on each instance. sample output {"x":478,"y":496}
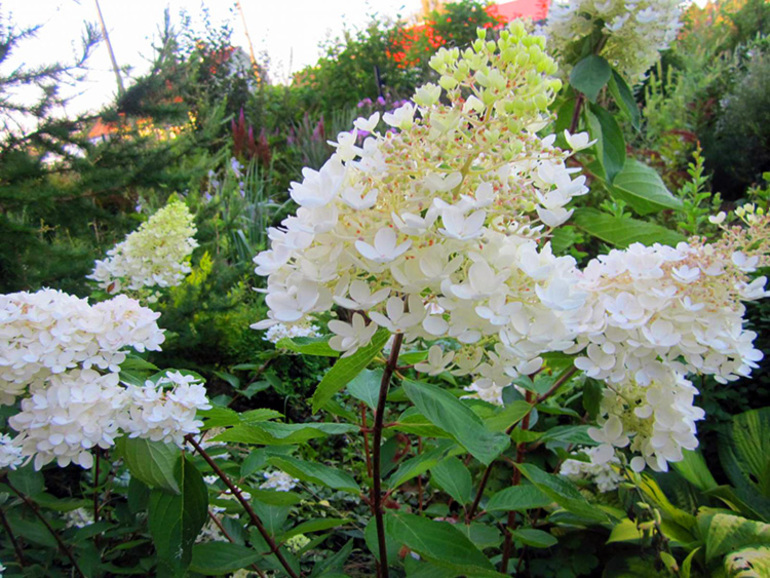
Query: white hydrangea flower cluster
{"x":651,"y":309}
{"x":600,"y":473}
{"x":281,"y":331}
{"x":634,"y":31}
{"x":655,"y":314}
{"x":165,"y":410}
{"x":433,"y":230}
{"x":62,"y":356}
{"x":278,"y":481}
{"x":156,"y":255}
{"x":50,"y":332}
{"x":79,"y":518}
{"x":655,"y":421}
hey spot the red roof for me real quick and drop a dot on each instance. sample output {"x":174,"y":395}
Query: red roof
{"x":534,"y":9}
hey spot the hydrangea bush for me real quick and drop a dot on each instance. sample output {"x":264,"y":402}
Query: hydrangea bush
{"x":426,"y":257}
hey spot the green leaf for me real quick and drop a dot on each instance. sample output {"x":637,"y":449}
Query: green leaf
{"x":451,"y":475}
{"x":623,"y":231}
{"x":693,"y":468}
{"x":332,"y":565}
{"x":416,"y":466}
{"x":273,"y":517}
{"x":569,"y":434}
{"x":748,"y":562}
{"x":593,"y":392}
{"x":610,"y":142}
{"x":509,"y":416}
{"x":370,"y":537}
{"x":317,"y":525}
{"x":590,"y":75}
{"x":27,"y":480}
{"x":725,"y":533}
{"x":366,"y":386}
{"x":563,"y":492}
{"x":269,"y":433}
{"x":642,"y":188}
{"x":346,"y":368}
{"x":534,"y":538}
{"x":518,"y":498}
{"x":174,"y":520}
{"x":458,"y":420}
{"x":154,"y":463}
{"x":412,"y":357}
{"x":218,"y":558}
{"x":625,"y":531}
{"x":318,"y":346}
{"x":316,"y":473}
{"x":440,"y":543}
{"x":413,"y":422}
{"x":624,"y":98}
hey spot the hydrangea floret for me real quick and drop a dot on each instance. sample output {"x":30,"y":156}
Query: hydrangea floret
{"x":156,"y":255}
{"x":633,"y":31}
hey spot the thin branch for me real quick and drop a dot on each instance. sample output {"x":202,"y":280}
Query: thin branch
{"x":227,"y":535}
{"x":274,"y":548}
{"x":382,"y":565}
{"x":8,"y":530}
{"x":35,"y":510}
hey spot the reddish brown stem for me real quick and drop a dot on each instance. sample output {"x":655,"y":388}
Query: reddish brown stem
{"x":36,"y":511}
{"x":16,"y":547}
{"x":227,"y":535}
{"x":274,"y":548}
{"x":382,"y":564}
{"x":365,"y":431}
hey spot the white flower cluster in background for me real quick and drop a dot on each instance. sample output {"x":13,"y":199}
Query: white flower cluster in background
{"x":634,"y":31}
{"x":437,"y":230}
{"x":49,"y":332}
{"x":156,"y":255}
{"x":281,"y":331}
{"x":278,"y":481}
{"x":602,"y":474}
{"x":61,"y":356}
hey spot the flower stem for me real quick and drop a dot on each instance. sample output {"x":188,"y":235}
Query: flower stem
{"x":274,"y":548}
{"x":8,"y":530}
{"x":35,"y":510}
{"x":563,"y":378}
{"x":382,"y":565}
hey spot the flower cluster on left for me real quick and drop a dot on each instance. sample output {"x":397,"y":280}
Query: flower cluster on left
{"x":60,"y":359}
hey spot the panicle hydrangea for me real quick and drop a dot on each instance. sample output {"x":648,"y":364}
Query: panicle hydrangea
{"x":165,"y":410}
{"x":156,"y":255}
{"x":653,"y":308}
{"x":278,"y":481}
{"x":281,"y":331}
{"x":49,"y":332}
{"x":602,"y":474}
{"x":79,"y":518}
{"x":68,"y":415}
{"x":634,"y":31}
{"x":656,"y":421}
{"x":436,"y":229}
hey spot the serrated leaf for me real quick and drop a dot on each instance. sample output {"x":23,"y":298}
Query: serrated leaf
{"x":563,"y":492}
{"x":440,"y":543}
{"x":590,"y":75}
{"x":416,"y":466}
{"x":270,"y":433}
{"x":315,"y":473}
{"x":275,"y":498}
{"x":623,"y":231}
{"x":610,"y":142}
{"x":346,"y":368}
{"x":519,"y":499}
{"x":535,"y":538}
{"x":174,"y":520}
{"x":451,"y":475}
{"x":458,"y":420}
{"x":624,"y":98}
{"x":154,"y":463}
{"x":366,"y":387}
{"x":218,"y":558}
{"x":508,"y":416}
{"x":318,"y":346}
{"x":317,"y":525}
{"x":642,"y":188}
